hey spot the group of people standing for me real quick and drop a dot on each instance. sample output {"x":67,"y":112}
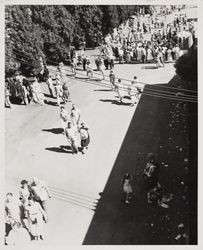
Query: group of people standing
{"x":164,"y":42}
{"x":26,"y":214}
{"x":23,"y":90}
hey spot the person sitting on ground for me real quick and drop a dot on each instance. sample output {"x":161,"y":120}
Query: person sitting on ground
{"x":155,"y":196}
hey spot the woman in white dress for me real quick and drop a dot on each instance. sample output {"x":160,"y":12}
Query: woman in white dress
{"x":139,"y":53}
{"x":169,"y":55}
{"x":149,"y":54}
{"x":38,"y":96}
{"x":127,"y":187}
{"x":119,"y":90}
{"x":36,"y":218}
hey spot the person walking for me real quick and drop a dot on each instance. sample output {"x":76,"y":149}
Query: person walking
{"x":18,"y":235}
{"x":75,"y":115}
{"x":71,"y":134}
{"x":89,"y":69}
{"x":7,"y":96}
{"x":50,"y":85}
{"x":84,"y":137}
{"x":120,"y":92}
{"x":64,"y":118}
{"x":74,"y":65}
{"x":58,"y":89}
{"x":24,"y":191}
{"x":133,"y":92}
{"x":101,"y":66}
{"x":66,"y":93}
{"x":37,"y":94}
{"x":127,"y":187}
{"x":40,"y":192}
{"x":13,"y":212}
{"x":112,"y":79}
{"x":36,"y":219}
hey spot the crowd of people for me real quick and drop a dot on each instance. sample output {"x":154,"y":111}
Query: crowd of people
{"x":26,"y":213}
{"x":149,"y":39}
{"x":25,"y":90}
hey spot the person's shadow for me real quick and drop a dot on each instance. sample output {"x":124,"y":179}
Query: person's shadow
{"x":54,"y":130}
{"x":50,"y":103}
{"x":60,"y":149}
{"x":115,"y":102}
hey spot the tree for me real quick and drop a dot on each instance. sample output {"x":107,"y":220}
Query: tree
{"x":33,"y":31}
{"x":186,"y":68}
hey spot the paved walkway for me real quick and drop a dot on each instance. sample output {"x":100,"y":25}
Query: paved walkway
{"x":34,"y":147}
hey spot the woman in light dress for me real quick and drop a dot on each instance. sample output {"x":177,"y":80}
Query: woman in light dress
{"x":119,"y":90}
{"x":169,"y":55}
{"x":58,"y":89}
{"x":36,"y":218}
{"x":37,"y":94}
{"x":127,"y":187}
{"x":149,"y":56}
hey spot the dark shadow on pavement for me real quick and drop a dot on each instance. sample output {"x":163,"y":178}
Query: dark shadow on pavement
{"x":54,"y":130}
{"x":49,"y":96}
{"x":103,"y":90}
{"x":61,"y":149}
{"x":82,"y":78}
{"x":139,"y":223}
{"x":116,"y":102}
{"x":50,"y":103}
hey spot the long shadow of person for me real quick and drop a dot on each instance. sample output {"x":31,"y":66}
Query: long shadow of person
{"x":49,"y":96}
{"x":54,"y":130}
{"x":60,"y":149}
{"x":50,"y":103}
{"x":115,"y":102}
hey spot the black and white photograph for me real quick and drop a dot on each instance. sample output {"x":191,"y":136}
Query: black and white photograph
{"x":101,"y":124}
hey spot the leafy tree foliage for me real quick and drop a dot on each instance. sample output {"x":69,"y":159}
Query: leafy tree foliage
{"x":49,"y":31}
{"x":186,"y":68}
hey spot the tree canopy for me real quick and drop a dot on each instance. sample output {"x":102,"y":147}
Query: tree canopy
{"x":50,"y":30}
{"x":186,"y":68}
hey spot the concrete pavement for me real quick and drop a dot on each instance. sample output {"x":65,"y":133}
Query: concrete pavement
{"x":33,"y":148}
